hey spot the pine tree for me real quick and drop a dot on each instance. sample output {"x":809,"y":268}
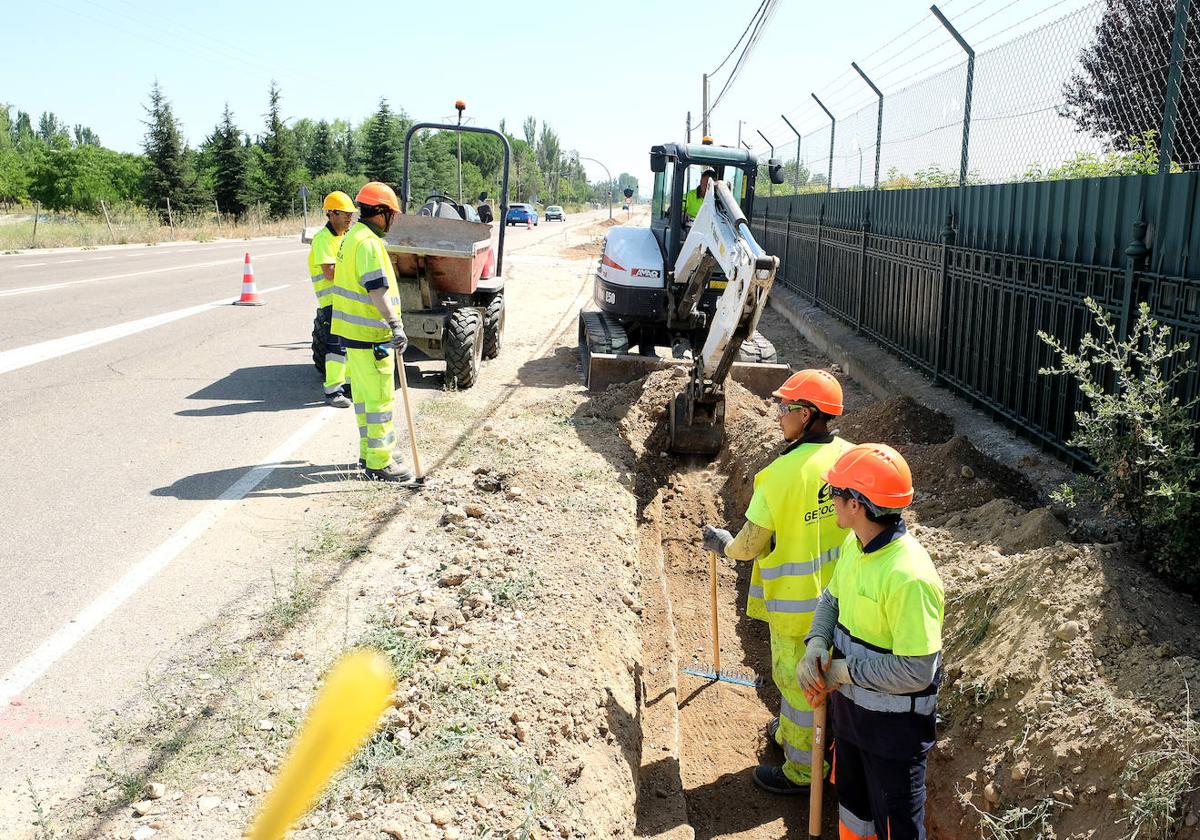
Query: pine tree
{"x":323,"y":157}
{"x":381,"y":158}
{"x":348,"y":149}
{"x":280,"y":164}
{"x":164,"y":152}
{"x":229,"y":166}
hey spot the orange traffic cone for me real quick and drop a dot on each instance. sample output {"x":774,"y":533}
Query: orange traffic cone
{"x":528,"y":221}
{"x":249,"y":290}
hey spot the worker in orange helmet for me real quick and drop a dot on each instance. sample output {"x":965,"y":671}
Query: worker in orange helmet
{"x":366,"y":314}
{"x":791,"y":536}
{"x":875,"y":647}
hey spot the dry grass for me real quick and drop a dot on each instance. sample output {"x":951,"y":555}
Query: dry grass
{"x":134,"y":226}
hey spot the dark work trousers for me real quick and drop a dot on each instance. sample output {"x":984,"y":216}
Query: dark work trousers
{"x":878,"y":797}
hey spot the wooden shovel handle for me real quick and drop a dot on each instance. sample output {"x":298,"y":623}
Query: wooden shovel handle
{"x":712,"y":585}
{"x":816,"y":790}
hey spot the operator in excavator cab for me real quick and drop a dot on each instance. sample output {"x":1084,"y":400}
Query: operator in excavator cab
{"x":695,"y":198}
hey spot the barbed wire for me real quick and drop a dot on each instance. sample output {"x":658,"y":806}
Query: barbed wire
{"x":1080,"y":93}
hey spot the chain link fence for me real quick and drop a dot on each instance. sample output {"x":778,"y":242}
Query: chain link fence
{"x":1100,"y":90}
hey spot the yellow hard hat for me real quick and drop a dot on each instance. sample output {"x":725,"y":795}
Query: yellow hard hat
{"x":338,"y":200}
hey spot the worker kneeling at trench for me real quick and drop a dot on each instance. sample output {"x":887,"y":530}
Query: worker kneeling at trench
{"x":875,"y":648}
{"x":792,"y":536}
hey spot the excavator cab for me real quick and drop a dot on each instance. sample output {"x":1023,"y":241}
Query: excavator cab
{"x":695,"y":282}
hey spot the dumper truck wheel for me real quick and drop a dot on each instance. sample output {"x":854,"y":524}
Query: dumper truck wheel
{"x":757,"y":349}
{"x":320,"y":335}
{"x":493,"y":326}
{"x":464,"y":347}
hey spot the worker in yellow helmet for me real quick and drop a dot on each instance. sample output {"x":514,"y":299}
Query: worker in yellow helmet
{"x":366,"y":314}
{"x":875,"y":647}
{"x":791,"y":535}
{"x":322,"y":256}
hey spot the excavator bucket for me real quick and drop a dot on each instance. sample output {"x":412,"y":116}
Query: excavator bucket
{"x":697,"y":427}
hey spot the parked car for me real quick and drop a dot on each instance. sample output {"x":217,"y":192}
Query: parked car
{"x":555,"y":212}
{"x":521,"y":214}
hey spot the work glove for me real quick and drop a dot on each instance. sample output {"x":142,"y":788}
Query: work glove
{"x":399,"y":339}
{"x":812,"y":666}
{"x":716,"y":539}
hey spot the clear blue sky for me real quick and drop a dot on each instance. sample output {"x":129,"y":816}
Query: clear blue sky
{"x":611,"y":77}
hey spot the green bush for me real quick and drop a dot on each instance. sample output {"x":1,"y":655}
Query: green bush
{"x":1139,"y":434}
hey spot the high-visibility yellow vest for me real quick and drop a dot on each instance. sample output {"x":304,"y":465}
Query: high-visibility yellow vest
{"x":361,"y":259}
{"x":323,"y":252}
{"x":792,"y":500}
{"x":890,"y":601}
{"x":693,"y":202}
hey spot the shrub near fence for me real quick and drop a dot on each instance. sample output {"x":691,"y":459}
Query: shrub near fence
{"x":958,"y":281}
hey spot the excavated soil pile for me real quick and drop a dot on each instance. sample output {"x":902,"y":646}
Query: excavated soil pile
{"x":895,"y":421}
{"x":1064,"y":704}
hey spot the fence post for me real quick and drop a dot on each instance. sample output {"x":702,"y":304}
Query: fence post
{"x":1166,"y":139}
{"x":798,"y":138}
{"x":817,"y":258}
{"x":949,"y":236}
{"x":878,"y":119}
{"x":832,"y":134}
{"x":966,"y":138}
{"x":37,"y":211}
{"x":1137,"y":252}
{"x":862,"y":269}
{"x":787,"y":243}
{"x":170,"y":217}
{"x":108,"y":221}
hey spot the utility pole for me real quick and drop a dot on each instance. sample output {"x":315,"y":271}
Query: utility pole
{"x":459,"y":106}
{"x":704,"y":116}
{"x":689,"y":127}
{"x":740,"y":131}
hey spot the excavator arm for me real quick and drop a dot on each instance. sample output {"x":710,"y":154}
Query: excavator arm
{"x":720,"y":237}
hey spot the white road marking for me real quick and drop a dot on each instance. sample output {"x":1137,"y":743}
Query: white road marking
{"x":27,"y":265}
{"x":33,"y":666}
{"x":25,"y":290}
{"x":43,"y":351}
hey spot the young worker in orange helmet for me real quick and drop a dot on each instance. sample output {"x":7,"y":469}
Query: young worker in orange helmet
{"x":791,"y":535}
{"x":876,"y":647}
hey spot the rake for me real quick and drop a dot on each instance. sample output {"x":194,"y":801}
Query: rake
{"x":712,"y":670}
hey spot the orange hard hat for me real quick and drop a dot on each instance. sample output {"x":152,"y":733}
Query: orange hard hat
{"x":818,"y":387}
{"x":877,"y":472}
{"x":378,"y":194}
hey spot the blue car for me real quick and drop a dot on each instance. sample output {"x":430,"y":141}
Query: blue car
{"x":521,"y":214}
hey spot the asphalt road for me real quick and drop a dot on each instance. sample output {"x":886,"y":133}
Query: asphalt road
{"x":137,"y":408}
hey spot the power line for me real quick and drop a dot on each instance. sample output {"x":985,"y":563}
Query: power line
{"x":740,"y":37}
{"x":766,"y":10}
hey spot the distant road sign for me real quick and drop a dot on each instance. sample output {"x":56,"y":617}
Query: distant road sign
{"x":303,"y":191}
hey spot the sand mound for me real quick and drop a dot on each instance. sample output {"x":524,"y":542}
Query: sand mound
{"x":1006,"y":525}
{"x":897,"y":421}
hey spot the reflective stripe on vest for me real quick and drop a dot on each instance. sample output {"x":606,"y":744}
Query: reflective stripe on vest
{"x":922,"y":702}
{"x":322,"y":252}
{"x":361,"y":258}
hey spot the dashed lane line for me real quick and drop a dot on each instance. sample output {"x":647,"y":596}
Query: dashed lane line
{"x":30,"y":669}
{"x":43,"y":351}
{"x":25,"y":290}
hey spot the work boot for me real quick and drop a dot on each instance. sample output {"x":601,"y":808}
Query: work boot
{"x":774,"y":780}
{"x":392,"y":472}
{"x":338,"y":399}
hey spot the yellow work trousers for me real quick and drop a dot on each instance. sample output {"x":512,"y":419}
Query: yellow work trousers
{"x":335,"y":357}
{"x":374,"y":400}
{"x":795,"y":715}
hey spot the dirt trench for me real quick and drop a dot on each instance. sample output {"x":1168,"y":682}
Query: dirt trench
{"x":1042,"y":729}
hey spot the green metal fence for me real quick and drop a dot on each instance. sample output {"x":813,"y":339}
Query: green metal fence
{"x":958,"y":281}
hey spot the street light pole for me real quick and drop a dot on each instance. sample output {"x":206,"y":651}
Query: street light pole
{"x":459,"y":106}
{"x":610,"y":181}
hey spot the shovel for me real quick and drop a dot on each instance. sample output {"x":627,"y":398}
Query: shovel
{"x":408,"y":416}
{"x":816,"y":790}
